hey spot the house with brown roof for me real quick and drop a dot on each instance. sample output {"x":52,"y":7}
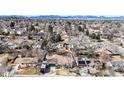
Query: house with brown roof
{"x":59,"y":59}
{"x":26,"y":62}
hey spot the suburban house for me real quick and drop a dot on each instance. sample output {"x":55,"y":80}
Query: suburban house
{"x":59,"y":59}
{"x":26,"y":62}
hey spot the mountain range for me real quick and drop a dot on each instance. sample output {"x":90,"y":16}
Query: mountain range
{"x":88,"y":17}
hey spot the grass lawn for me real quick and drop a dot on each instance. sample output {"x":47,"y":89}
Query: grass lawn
{"x":65,"y":72}
{"x":30,"y":71}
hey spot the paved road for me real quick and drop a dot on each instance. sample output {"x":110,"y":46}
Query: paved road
{"x":13,"y":71}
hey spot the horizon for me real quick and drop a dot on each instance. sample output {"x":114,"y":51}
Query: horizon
{"x":68,"y":15}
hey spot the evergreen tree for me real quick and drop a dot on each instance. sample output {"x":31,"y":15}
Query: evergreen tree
{"x":80,"y":28}
{"x":50,"y":29}
{"x":98,"y":36}
{"x":12,"y":24}
{"x":87,"y":32}
{"x":32,"y":28}
{"x":93,"y":36}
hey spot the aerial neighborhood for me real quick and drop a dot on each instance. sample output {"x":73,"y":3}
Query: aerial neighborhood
{"x":61,"y":47}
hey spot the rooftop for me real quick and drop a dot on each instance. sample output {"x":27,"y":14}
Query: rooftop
{"x":26,"y":60}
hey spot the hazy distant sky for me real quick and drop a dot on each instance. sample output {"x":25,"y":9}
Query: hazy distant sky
{"x":61,"y":7}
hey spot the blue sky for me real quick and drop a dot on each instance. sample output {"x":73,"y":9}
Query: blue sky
{"x":62,"y":7}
